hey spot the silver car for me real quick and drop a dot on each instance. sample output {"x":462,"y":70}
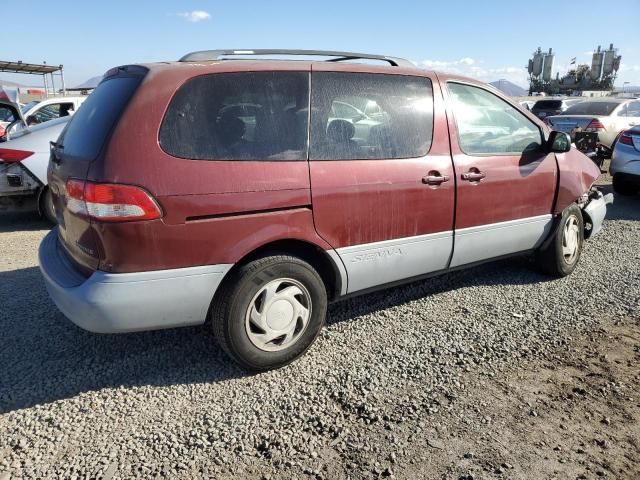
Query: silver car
{"x":607,"y":116}
{"x":625,"y":162}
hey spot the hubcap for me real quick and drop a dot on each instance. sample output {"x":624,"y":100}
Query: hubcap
{"x":278,"y":314}
{"x":570,"y":240}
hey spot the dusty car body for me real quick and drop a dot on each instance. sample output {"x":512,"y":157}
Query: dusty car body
{"x":281,"y":207}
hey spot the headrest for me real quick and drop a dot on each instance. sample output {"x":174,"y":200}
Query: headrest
{"x":340,"y":131}
{"x":230,"y":129}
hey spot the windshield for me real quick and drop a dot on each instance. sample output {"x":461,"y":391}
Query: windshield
{"x":28,"y":106}
{"x":592,"y":108}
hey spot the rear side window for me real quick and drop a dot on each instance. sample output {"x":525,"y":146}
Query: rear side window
{"x":239,"y":116}
{"x":88,"y":129}
{"x":50,"y":112}
{"x":633,"y":109}
{"x":548,"y":105}
{"x":592,"y":108}
{"x":370,"y":116}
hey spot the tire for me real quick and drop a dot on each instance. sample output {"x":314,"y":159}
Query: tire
{"x":47,"y":209}
{"x":624,"y":186}
{"x":262,"y":299}
{"x":560,"y":256}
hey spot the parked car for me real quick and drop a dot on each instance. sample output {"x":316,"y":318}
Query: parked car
{"x":170,"y":213}
{"x":625,"y":162}
{"x":23,"y":167}
{"x":605,"y":116}
{"x":36,"y":113}
{"x":553,"y":106}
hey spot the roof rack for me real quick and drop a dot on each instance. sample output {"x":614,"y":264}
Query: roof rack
{"x":212,"y":55}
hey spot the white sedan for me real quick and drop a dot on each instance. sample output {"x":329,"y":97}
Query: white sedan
{"x":23,"y":167}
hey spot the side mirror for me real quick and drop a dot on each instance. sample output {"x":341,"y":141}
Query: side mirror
{"x":32,"y":120}
{"x":559,"y":142}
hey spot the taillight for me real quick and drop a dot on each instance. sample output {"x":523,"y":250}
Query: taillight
{"x":10,"y":155}
{"x":110,"y":202}
{"x":596,"y":124}
{"x":625,"y":137}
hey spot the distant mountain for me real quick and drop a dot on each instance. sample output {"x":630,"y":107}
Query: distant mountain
{"x":11,"y":84}
{"x":89,"y":84}
{"x":509,"y":88}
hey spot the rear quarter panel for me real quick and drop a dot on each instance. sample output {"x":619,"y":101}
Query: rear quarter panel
{"x":214,"y":211}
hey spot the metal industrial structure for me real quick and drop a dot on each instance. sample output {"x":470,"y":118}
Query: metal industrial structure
{"x":48,"y":72}
{"x":599,"y":76}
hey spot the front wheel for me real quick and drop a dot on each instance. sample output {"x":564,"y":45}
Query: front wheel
{"x":560,"y":256}
{"x":269,"y":312}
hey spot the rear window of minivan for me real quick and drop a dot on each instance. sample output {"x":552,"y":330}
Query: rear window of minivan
{"x":239,"y":116}
{"x":86,"y":132}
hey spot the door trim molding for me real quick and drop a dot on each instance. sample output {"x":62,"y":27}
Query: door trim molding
{"x":474,"y":244}
{"x":371,"y":264}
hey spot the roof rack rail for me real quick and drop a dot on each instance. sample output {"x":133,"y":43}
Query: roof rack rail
{"x":212,"y":55}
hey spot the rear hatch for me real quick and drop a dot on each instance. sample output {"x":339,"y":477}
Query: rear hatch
{"x":81,"y":143}
{"x":569,"y":123}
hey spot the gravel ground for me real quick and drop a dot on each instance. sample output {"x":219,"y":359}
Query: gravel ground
{"x":382,"y":393}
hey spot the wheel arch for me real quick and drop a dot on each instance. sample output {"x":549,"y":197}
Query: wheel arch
{"x":40,"y":198}
{"x":327,"y":263}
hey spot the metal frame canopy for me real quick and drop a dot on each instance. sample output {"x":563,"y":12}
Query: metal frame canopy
{"x":36,"y":69}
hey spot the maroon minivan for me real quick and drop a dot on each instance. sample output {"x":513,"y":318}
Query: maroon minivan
{"x":252,"y":192}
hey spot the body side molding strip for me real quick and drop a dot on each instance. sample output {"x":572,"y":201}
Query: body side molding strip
{"x":371,"y":264}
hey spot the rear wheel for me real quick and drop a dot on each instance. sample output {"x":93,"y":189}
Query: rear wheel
{"x":269,"y":312}
{"x":46,"y":206}
{"x":560,"y":256}
{"x":623,"y":186}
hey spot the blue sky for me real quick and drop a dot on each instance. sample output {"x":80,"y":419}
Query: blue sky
{"x":484,"y":39}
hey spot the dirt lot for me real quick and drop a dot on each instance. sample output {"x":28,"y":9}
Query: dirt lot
{"x":574,"y":415}
{"x":493,"y":372}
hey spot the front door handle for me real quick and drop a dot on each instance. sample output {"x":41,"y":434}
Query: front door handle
{"x":434,"y":179}
{"x":473,"y":175}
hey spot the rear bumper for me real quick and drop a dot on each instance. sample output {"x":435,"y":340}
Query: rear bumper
{"x":596,"y":209}
{"x":127,"y":302}
{"x":17,"y":181}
